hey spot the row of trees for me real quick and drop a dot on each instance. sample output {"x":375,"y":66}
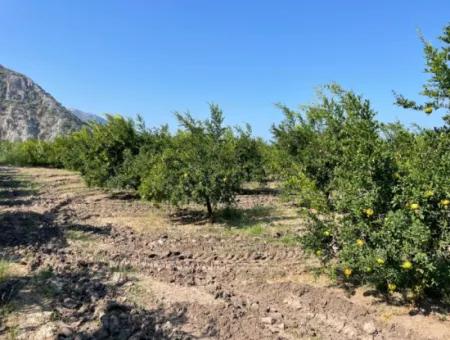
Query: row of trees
{"x":204,"y":162}
{"x":377,"y":195}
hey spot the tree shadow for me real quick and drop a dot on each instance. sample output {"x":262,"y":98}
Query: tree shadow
{"x":79,"y":295}
{"x":232,"y":217}
{"x":260,"y":191}
{"x":184,"y":216}
{"x":14,"y":192}
{"x":124,"y":195}
{"x":93,"y":230}
{"x":19,"y":228}
{"x":83,"y":302}
{"x":122,"y":321}
{"x":423,"y":306}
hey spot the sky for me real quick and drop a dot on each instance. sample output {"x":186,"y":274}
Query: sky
{"x":156,"y":57}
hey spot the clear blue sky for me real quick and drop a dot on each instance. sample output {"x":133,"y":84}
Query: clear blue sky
{"x":157,"y":57}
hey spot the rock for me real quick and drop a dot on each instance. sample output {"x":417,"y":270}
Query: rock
{"x":268,"y":320}
{"x":167,"y":326}
{"x":254,"y":306}
{"x":83,"y":309}
{"x":276,"y":315}
{"x":28,"y":112}
{"x":369,"y":327}
{"x":119,"y":279}
{"x":65,"y":331}
{"x":69,"y":303}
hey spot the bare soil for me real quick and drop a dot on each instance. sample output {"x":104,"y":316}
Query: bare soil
{"x":81,"y":263}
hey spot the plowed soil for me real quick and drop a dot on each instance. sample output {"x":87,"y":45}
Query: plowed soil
{"x":81,"y":263}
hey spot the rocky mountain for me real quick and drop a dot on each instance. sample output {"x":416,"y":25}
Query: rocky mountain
{"x":88,"y":117}
{"x":28,"y":112}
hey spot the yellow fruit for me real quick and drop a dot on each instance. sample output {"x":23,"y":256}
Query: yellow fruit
{"x":410,"y":295}
{"x":368,"y":269}
{"x":319,"y":252}
{"x":428,"y":109}
{"x":360,"y":242}
{"x":326,"y":233}
{"x":369,"y":212}
{"x":428,"y":194}
{"x":380,"y":261}
{"x":445,"y":202}
{"x":347,"y":272}
{"x":407,"y":265}
{"x":392,"y":287}
{"x":414,"y":206}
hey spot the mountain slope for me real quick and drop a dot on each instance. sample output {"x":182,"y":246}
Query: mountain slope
{"x":28,"y":112}
{"x":88,"y":117}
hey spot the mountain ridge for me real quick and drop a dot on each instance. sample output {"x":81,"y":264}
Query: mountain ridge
{"x":87,"y":116}
{"x":27,"y":111}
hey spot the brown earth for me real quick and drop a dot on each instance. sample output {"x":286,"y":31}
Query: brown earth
{"x":80,"y":263}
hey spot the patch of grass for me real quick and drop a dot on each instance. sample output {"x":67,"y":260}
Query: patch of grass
{"x":255,"y":230}
{"x":122,"y":269}
{"x":290,"y":240}
{"x":42,"y":286}
{"x":78,"y":235}
{"x":44,"y":274}
{"x":245,"y":218}
{"x":137,"y":292}
{"x":4,"y":269}
{"x":6,"y":309}
{"x":13,"y":332}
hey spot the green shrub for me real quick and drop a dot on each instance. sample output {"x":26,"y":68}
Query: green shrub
{"x":27,"y":153}
{"x":250,"y":153}
{"x":135,"y":166}
{"x":99,"y":151}
{"x":200,"y":164}
{"x":382,"y":213}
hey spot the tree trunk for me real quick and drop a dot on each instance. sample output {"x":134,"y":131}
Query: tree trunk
{"x":209,"y":207}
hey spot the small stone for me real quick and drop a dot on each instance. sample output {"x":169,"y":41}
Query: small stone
{"x":276,"y":315}
{"x":167,"y":326}
{"x":254,"y":306}
{"x":69,"y":303}
{"x":369,"y":327}
{"x":268,"y":320}
{"x":83,"y":309}
{"x":65,"y":331}
{"x":119,"y":278}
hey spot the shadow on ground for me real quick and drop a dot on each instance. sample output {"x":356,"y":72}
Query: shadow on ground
{"x":231,"y":217}
{"x":14,"y":192}
{"x":77,"y":297}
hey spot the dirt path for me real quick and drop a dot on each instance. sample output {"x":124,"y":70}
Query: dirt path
{"x":79,"y":263}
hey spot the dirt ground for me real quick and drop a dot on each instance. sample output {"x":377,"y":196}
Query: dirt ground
{"x":80,"y":263}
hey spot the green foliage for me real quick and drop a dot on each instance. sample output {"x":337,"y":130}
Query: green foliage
{"x":105,"y":148}
{"x":437,"y":88}
{"x":200,"y":164}
{"x":29,"y":153}
{"x":204,"y":163}
{"x":250,"y":155}
{"x":379,"y":194}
